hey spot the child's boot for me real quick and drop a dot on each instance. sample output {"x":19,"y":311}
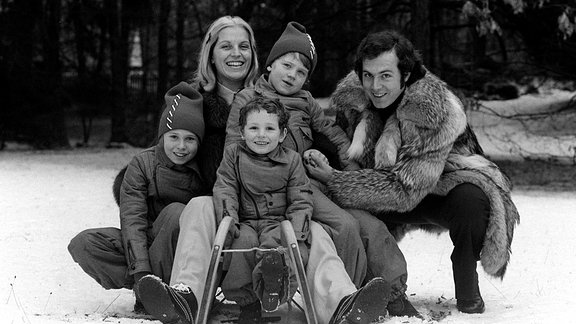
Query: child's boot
{"x":274,"y":275}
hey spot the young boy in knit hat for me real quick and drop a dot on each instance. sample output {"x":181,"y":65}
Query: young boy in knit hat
{"x":259,"y":184}
{"x":158,"y":183}
{"x":292,"y":60}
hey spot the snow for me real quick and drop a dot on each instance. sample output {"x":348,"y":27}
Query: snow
{"x":47,"y":197}
{"x":542,"y":136}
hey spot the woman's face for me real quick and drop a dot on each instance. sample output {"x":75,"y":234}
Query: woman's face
{"x":232,"y":56}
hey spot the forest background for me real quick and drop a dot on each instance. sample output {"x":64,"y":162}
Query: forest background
{"x":84,"y":63}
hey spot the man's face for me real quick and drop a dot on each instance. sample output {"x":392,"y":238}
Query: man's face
{"x":382,"y":80}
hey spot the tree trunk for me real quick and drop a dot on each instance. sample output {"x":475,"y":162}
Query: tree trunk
{"x":118,"y":67}
{"x":52,"y":134}
{"x":421,"y":31}
{"x":181,"y":14}
{"x":163,"y":23}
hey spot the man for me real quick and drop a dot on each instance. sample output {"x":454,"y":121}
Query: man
{"x":422,"y":165}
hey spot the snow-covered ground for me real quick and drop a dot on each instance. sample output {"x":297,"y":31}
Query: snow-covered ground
{"x":48,"y":197}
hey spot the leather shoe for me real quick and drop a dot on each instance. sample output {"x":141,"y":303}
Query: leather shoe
{"x":401,"y":306}
{"x":471,"y":306}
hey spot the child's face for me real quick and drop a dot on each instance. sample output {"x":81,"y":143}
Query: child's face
{"x":180,"y":145}
{"x":262,"y":133}
{"x":287,"y":74}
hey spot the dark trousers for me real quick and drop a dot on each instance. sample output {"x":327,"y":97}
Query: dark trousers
{"x":464,"y":212}
{"x":100,"y":252}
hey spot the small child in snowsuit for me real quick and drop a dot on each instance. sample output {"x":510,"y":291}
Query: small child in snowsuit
{"x":259,"y":184}
{"x":158,"y":183}
{"x":291,"y":61}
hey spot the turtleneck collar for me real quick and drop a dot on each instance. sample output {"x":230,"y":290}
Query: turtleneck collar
{"x":390,"y":110}
{"x":226,"y":93}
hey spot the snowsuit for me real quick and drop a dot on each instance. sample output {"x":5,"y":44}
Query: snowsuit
{"x":152,"y":196}
{"x":259,"y":192}
{"x":306,"y":115}
{"x":424,"y":169}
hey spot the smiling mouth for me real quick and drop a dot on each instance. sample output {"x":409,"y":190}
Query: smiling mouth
{"x":235,"y":64}
{"x":378,"y":95}
{"x":180,"y":155}
{"x":261,"y":143}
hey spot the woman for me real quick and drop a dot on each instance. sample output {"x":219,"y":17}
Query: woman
{"x":227,"y":63}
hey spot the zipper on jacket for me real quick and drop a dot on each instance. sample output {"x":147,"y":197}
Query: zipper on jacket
{"x":245,"y":188}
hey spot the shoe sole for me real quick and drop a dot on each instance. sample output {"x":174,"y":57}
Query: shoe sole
{"x":369,"y":305}
{"x":158,"y":302}
{"x":272,"y":270}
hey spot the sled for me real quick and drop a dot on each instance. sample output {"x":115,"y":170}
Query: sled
{"x":214,"y":272}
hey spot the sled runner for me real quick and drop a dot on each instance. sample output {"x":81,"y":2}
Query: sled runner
{"x":214,"y":271}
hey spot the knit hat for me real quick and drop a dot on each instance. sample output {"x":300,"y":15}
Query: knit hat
{"x":183,"y":111}
{"x":294,"y":39}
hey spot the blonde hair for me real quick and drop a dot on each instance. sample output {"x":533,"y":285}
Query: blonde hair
{"x":206,"y":74}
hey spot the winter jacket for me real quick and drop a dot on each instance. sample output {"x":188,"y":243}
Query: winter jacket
{"x":152,"y":182}
{"x":425,"y":147}
{"x":305,"y":115}
{"x":275,"y":186}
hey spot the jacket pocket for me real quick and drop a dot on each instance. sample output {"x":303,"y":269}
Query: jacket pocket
{"x":276,"y":203}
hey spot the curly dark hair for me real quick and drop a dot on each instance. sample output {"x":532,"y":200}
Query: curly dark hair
{"x":374,"y":44}
{"x":271,"y":106}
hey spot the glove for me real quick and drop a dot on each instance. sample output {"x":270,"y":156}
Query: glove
{"x":233,"y":233}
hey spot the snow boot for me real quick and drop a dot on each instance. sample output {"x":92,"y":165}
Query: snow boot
{"x":366,"y":305}
{"x":169,"y":305}
{"x":274,"y":277}
{"x":401,"y":306}
{"x":471,"y":306}
{"x":139,"y":308}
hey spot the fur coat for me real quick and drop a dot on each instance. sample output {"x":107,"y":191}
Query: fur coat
{"x":425,"y":147}
{"x":216,"y":112}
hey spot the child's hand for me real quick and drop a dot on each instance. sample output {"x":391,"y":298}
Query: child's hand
{"x":310,"y":155}
{"x":318,"y":168}
{"x":233,"y":233}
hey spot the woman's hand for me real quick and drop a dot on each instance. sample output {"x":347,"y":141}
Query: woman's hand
{"x":317,"y":165}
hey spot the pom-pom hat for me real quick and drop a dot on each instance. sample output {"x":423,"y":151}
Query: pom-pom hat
{"x":183,"y":111}
{"x":294,"y":39}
